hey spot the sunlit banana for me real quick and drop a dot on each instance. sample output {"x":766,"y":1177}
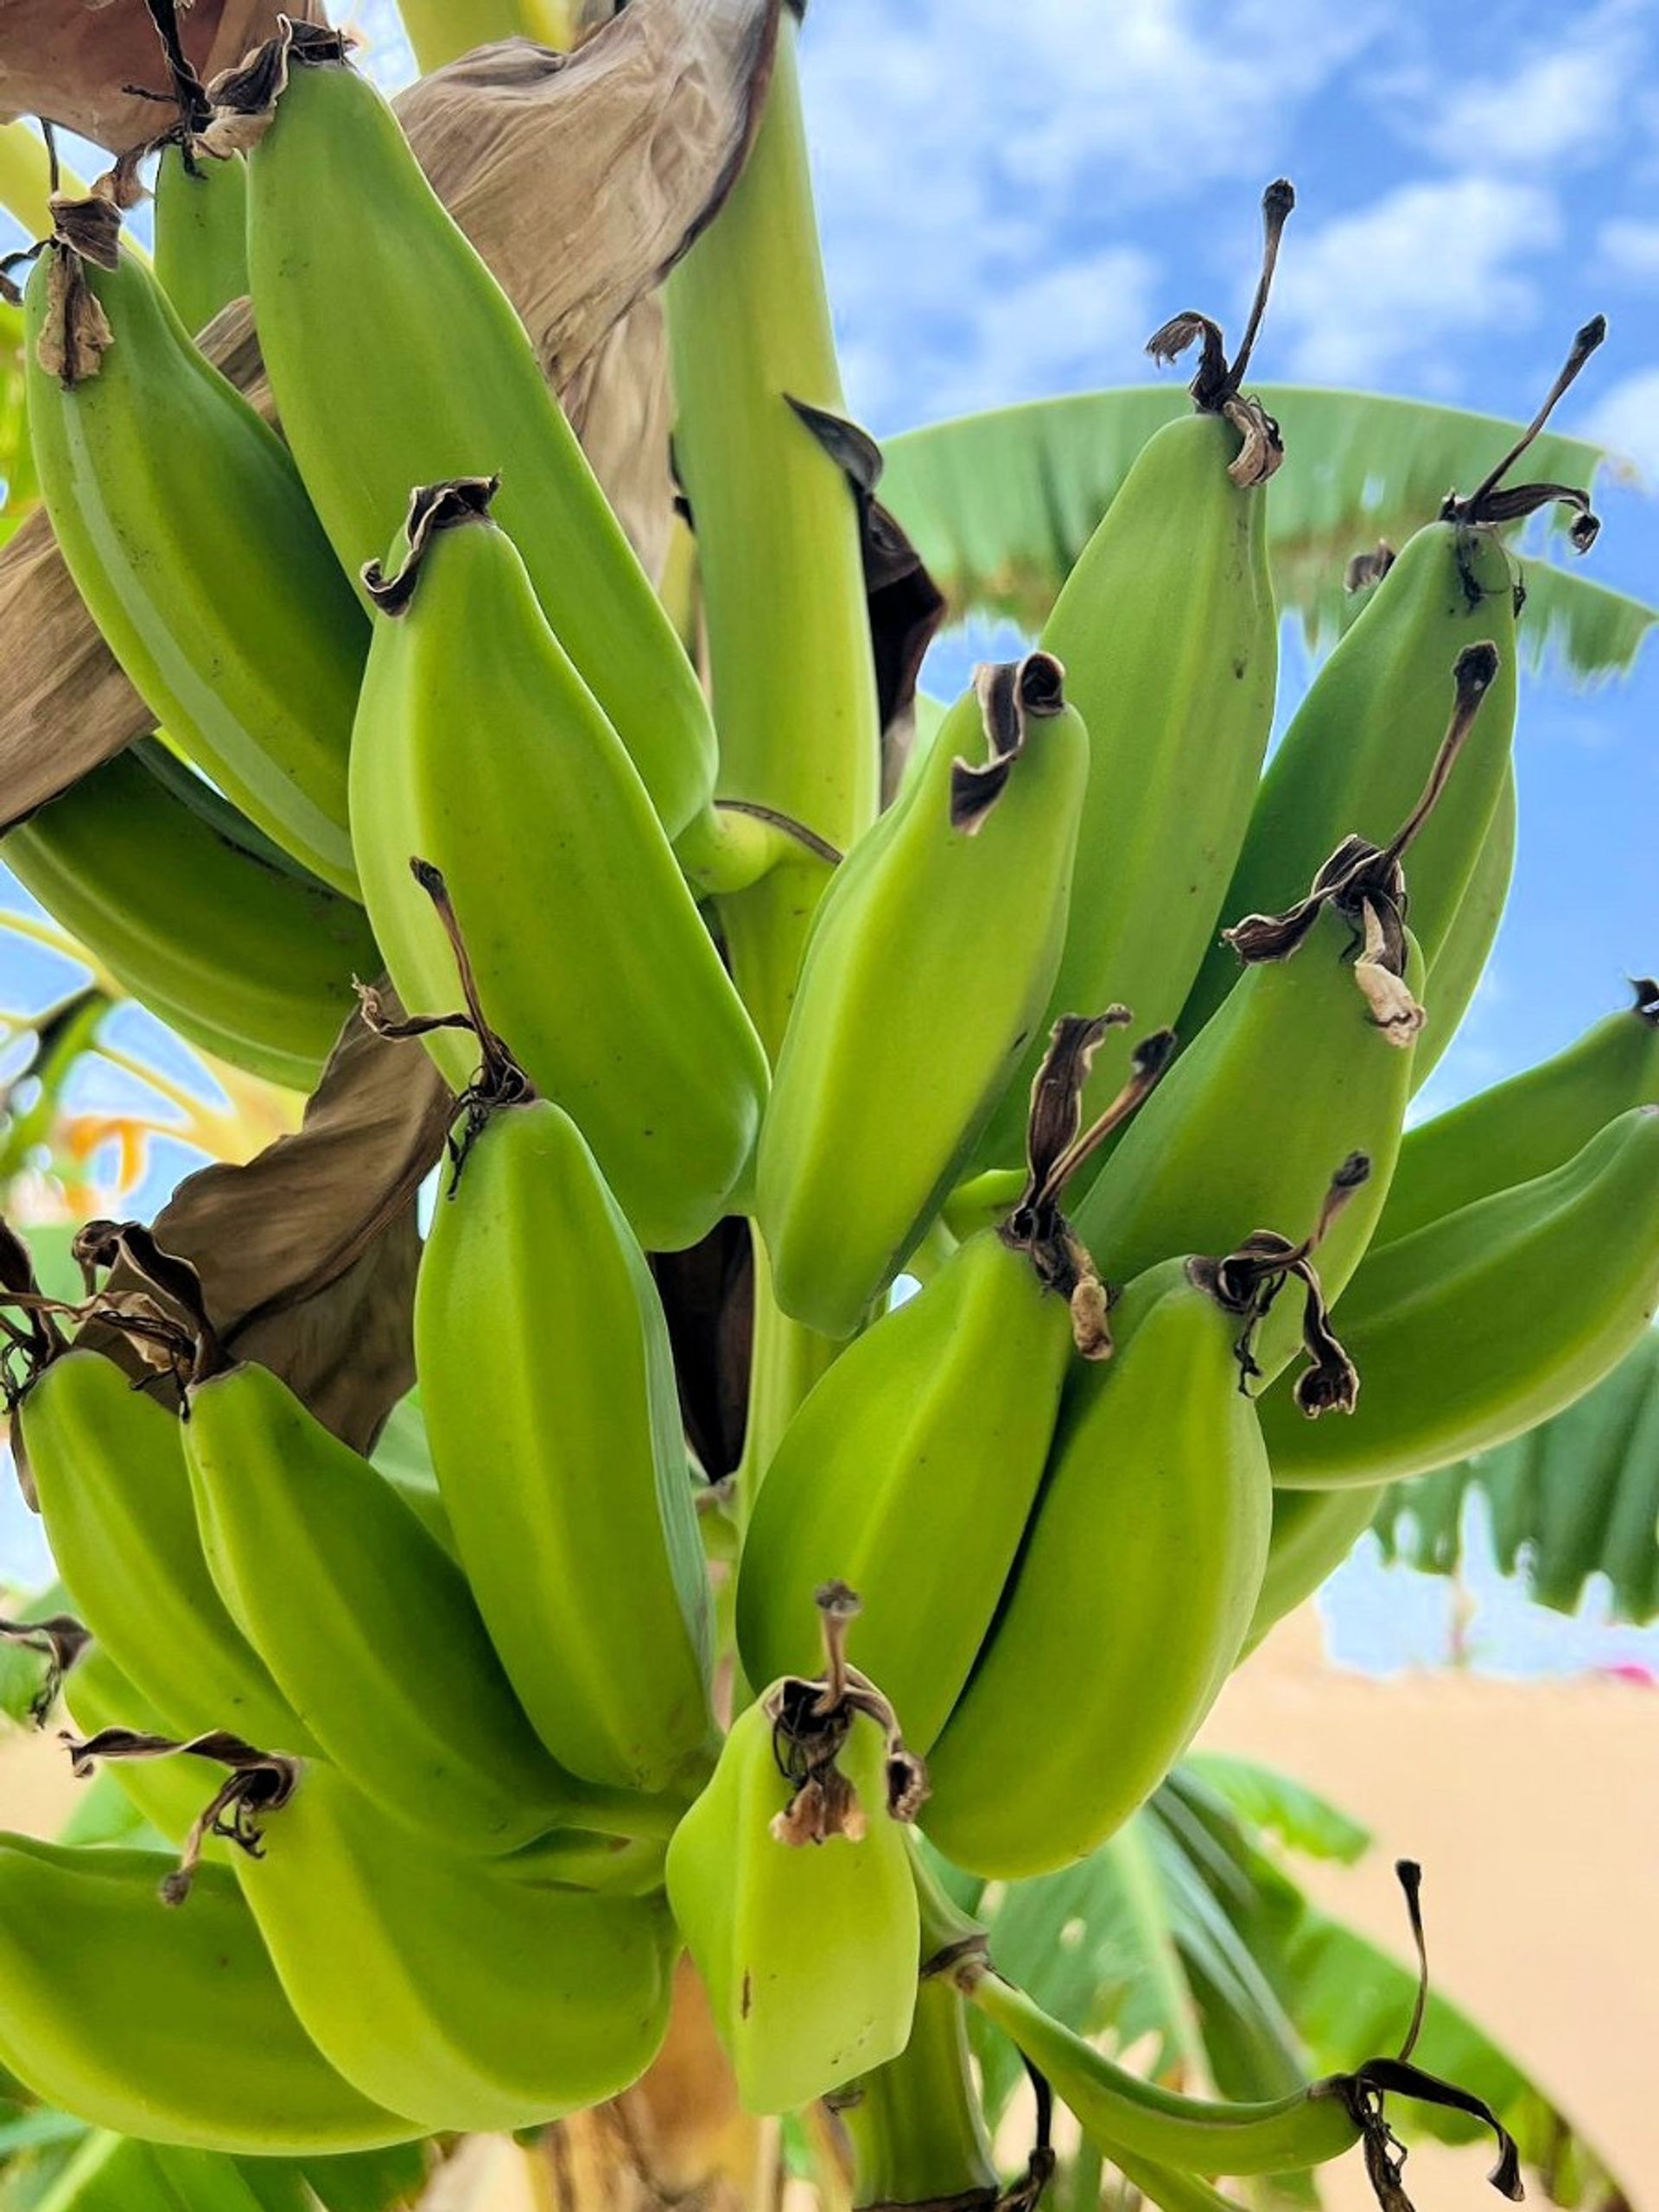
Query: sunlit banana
{"x":1130,"y":1599}
{"x":1362,"y":741}
{"x":790,"y":1879}
{"x":193,"y":911}
{"x":190,"y":536}
{"x":1470,"y":936}
{"x":202,"y":234}
{"x":397,"y":359}
{"x":591,"y":957}
{"x":1486,"y":1321}
{"x":1168,"y":633}
{"x":910,"y":1469}
{"x":1530,"y":1124}
{"x":929,"y":965}
{"x":109,"y":1466}
{"x":366,"y":1624}
{"x":167,"y":2025}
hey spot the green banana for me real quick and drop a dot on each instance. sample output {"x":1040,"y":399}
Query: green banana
{"x":365,"y":1624}
{"x":1467,"y":945}
{"x":190,"y":535}
{"x":355,"y":262}
{"x":1169,"y":636}
{"x":1314,"y":1531}
{"x":928,"y":965}
{"x":790,"y":1878}
{"x":547,"y":1383}
{"x":1488,"y":1320}
{"x":190,"y":909}
{"x":171,"y":2027}
{"x":1532,"y":1122}
{"x":1362,"y":742}
{"x":486,"y":2001}
{"x":167,"y":1793}
{"x":1104,"y":1658}
{"x":109,"y":1466}
{"x":918,"y":2135}
{"x":202,"y":233}
{"x":474,"y":723}
{"x":910,"y":1469}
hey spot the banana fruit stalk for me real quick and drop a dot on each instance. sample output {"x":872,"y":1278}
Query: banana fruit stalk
{"x":548,"y":1389}
{"x":202,"y":233}
{"x":790,"y":1878}
{"x":1364,"y":740}
{"x":168,"y":2026}
{"x":109,"y":1466}
{"x":928,"y":965}
{"x":355,"y":262}
{"x":1525,"y":1127}
{"x":912,"y":1468}
{"x":1488,"y":1320}
{"x":1169,"y":636}
{"x":366,"y":1625}
{"x":918,"y":2135}
{"x":589,"y":952}
{"x":1097,"y":1670}
{"x":189,"y":535}
{"x":184,"y":903}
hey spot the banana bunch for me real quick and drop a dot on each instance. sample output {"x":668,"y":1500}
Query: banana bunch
{"x":790,"y":1880}
{"x":192,"y":540}
{"x":203,"y":920}
{"x":474,"y":714}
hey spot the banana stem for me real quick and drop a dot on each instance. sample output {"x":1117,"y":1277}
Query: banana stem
{"x":777,"y":537}
{"x":917,"y":2134}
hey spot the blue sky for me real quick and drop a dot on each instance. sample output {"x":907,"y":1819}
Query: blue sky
{"x":1012,"y":198}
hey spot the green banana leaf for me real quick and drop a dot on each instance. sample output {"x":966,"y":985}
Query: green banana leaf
{"x":1187,"y":1942}
{"x":1575,"y":1499}
{"x":999,"y":504}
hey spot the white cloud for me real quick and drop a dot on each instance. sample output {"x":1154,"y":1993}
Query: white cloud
{"x":1561,"y":105}
{"x":1627,"y":421}
{"x":1407,"y":278}
{"x":1630,"y":249}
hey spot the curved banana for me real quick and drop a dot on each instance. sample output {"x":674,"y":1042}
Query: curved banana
{"x":190,"y":536}
{"x":189,"y":909}
{"x":109,"y":1466}
{"x":547,"y":1383}
{"x":202,"y":233}
{"x":1314,"y":1531}
{"x":790,"y":1878}
{"x":590,"y":954}
{"x":356,"y":264}
{"x":1362,"y":743}
{"x":929,"y":963}
{"x":1532,"y":1122}
{"x":1106,"y":1654}
{"x":365,"y":1624}
{"x":171,"y":2026}
{"x":1467,"y":944}
{"x":1488,"y":1320}
{"x":1169,"y":637}
{"x":910,"y":1471}
{"x":484,"y":2001}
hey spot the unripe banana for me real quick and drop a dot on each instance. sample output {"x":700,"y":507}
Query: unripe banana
{"x":1129,"y":1602}
{"x":354,"y":261}
{"x":547,"y":1383}
{"x":190,"y":536}
{"x":929,"y":963}
{"x":1169,"y":636}
{"x":109,"y":1466}
{"x":910,"y":1469}
{"x":168,"y":1792}
{"x":790,"y":1878}
{"x":367,"y":1626}
{"x":1314,"y":1531}
{"x":1530,"y":1124}
{"x":190,"y":909}
{"x":1362,"y":743}
{"x":1467,"y":944}
{"x":202,"y":233}
{"x":1488,"y":1320}
{"x":169,"y":2026}
{"x":486,"y":2001}
{"x":590,"y":954}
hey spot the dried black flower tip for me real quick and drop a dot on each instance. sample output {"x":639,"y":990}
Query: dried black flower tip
{"x":59,"y":1640}
{"x":810,"y":1723}
{"x":1012,"y":695}
{"x":433,"y":508}
{"x":259,"y":1783}
{"x":1491,"y":502}
{"x":1367,"y":568}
